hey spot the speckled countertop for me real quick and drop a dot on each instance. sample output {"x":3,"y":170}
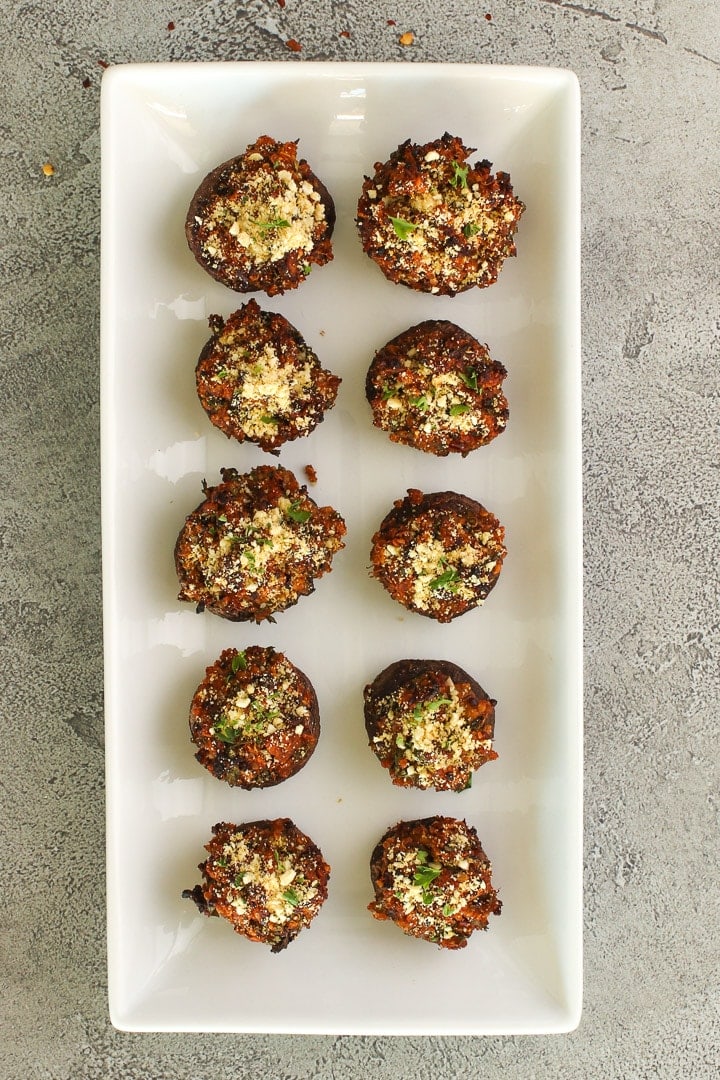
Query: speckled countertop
{"x":650,"y":77}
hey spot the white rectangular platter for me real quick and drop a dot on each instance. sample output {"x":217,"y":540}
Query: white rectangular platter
{"x":163,"y":128}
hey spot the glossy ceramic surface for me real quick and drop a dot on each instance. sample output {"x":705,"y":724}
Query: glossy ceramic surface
{"x":163,"y":128}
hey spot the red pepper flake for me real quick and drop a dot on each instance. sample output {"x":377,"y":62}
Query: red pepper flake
{"x":281,"y":3}
{"x":391,"y":22}
{"x":293,"y":45}
{"x":171,"y":26}
{"x":86,"y":83}
{"x":311,"y":474}
{"x":344,"y":33}
{"x":488,"y":16}
{"x":103,"y":64}
{"x":407,"y":38}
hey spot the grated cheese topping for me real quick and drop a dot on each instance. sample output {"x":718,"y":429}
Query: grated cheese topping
{"x":266,"y":215}
{"x":271,"y":879}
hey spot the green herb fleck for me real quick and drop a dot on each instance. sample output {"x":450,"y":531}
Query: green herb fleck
{"x":291,"y":897}
{"x":402,"y":227}
{"x":306,"y":268}
{"x":295,"y":513}
{"x":267,"y":419}
{"x":421,"y":856}
{"x":225,"y":730}
{"x":448,"y":909}
{"x":388,"y":391}
{"x":470,"y":378}
{"x":471,"y":230}
{"x":239,"y":881}
{"x":459,"y":176}
{"x":436,"y":703}
{"x":238,"y":662}
{"x":468,"y":785}
{"x":447,"y":580}
{"x":400,"y":741}
{"x":427,"y":708}
{"x":273,"y":223}
{"x":458,"y":410}
{"x":424,"y":877}
{"x":420,"y":402}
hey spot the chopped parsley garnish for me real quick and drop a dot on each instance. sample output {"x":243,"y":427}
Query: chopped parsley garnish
{"x":263,"y":715}
{"x":471,"y":230}
{"x":420,"y":402}
{"x":427,"y":708}
{"x":421,"y":856}
{"x":291,"y":897}
{"x":223,"y":373}
{"x":402,"y":227}
{"x":225,"y":730}
{"x":459,"y":176}
{"x":239,"y":880}
{"x":447,"y":580}
{"x":388,"y":391}
{"x":295,"y":513}
{"x":448,"y":909}
{"x":468,"y":785}
{"x":238,"y":662}
{"x":424,"y":877}
{"x":306,"y":268}
{"x":470,"y":378}
{"x":436,"y":703}
{"x":267,"y":419}
{"x":400,"y":741}
{"x":273,"y":223}
{"x":458,"y":410}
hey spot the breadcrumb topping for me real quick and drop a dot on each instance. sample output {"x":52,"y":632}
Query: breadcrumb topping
{"x":269,"y":214}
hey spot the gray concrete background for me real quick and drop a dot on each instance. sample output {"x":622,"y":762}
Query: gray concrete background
{"x":650,"y":77}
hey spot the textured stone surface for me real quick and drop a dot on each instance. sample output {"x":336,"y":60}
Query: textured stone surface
{"x":650,"y":76}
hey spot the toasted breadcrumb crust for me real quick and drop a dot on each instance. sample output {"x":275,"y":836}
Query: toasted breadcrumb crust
{"x":430,"y":724}
{"x":435,"y":387}
{"x":432,"y":879}
{"x":259,"y":381}
{"x":261,"y":220}
{"x":255,"y":544}
{"x":254,"y":718}
{"x":267,"y":878}
{"x":435,"y":223}
{"x":438,"y":554}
